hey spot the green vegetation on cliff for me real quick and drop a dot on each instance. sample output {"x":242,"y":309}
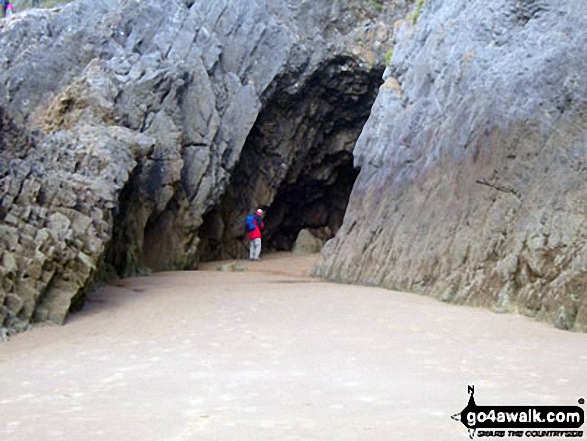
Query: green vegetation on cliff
{"x":21,"y":5}
{"x":417,"y":11}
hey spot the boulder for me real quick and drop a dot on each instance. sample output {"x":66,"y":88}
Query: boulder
{"x":307,"y":243}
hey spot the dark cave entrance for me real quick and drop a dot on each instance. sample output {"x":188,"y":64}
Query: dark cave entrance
{"x":297,"y":162}
{"x":310,"y":205}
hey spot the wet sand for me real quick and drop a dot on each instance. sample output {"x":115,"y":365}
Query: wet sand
{"x":269,"y":354}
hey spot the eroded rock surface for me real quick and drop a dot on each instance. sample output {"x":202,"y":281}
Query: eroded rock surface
{"x":473,"y":163}
{"x":122,"y":123}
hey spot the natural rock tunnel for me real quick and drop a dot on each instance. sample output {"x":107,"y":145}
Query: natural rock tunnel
{"x":162,"y":125}
{"x":297,"y":161}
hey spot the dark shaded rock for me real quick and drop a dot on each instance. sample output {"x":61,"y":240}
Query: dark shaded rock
{"x":297,"y":160}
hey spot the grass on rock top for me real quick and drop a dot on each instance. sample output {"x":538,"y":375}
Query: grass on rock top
{"x":21,"y":5}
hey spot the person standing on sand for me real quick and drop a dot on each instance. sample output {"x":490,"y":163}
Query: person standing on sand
{"x":253,"y":226}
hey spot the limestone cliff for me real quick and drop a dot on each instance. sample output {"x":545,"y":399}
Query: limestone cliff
{"x":123,"y":121}
{"x":473,"y":177}
{"x":135,"y":136}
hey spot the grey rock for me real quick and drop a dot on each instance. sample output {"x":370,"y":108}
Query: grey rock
{"x":472,"y":163}
{"x":123,"y":122}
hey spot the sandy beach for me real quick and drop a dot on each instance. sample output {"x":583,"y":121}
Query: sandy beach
{"x":272,"y":354}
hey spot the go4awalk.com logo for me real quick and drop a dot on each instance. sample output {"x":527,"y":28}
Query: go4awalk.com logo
{"x":521,"y":421}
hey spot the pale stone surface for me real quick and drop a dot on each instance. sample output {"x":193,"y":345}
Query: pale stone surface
{"x":231,"y":267}
{"x":307,"y":243}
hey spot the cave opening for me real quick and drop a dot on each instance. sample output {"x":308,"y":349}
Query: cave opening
{"x":297,"y":162}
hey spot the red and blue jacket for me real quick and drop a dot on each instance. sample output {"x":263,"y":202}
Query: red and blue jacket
{"x":256,"y":233}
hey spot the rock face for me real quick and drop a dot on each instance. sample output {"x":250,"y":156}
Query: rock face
{"x":57,"y":221}
{"x":123,"y":122}
{"x":474,"y":162}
